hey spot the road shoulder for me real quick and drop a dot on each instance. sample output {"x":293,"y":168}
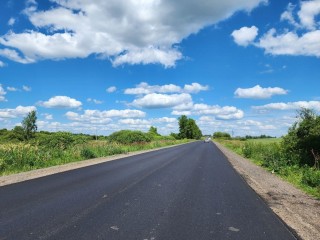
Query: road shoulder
{"x":298,"y":210}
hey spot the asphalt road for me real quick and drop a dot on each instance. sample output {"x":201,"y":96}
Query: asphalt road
{"x":181,"y":193}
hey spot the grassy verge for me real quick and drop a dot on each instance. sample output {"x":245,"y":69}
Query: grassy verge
{"x":21,"y":157}
{"x":269,"y":155}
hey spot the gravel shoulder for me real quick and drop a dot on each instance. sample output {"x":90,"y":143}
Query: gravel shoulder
{"x":298,"y":210}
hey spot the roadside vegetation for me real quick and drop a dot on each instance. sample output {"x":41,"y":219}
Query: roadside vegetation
{"x":24,"y":148}
{"x":295,"y":157}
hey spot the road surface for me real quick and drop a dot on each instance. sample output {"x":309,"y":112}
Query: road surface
{"x":187,"y":192}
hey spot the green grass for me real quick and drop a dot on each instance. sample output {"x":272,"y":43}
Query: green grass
{"x":21,"y":157}
{"x":265,"y":140}
{"x":268,"y":154}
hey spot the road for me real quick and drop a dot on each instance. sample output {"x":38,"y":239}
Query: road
{"x":185,"y":192}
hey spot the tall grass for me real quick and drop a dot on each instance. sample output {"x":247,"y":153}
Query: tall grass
{"x":21,"y":157}
{"x":270,"y":155}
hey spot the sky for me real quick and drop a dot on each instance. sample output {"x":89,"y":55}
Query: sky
{"x":97,"y":66}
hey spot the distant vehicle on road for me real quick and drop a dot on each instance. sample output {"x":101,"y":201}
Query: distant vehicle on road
{"x":208,"y":139}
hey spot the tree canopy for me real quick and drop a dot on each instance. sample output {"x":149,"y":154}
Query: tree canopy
{"x":188,"y":128}
{"x":29,"y":125}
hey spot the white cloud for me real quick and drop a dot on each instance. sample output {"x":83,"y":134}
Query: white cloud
{"x":290,"y":106}
{"x":301,"y":39}
{"x":19,"y":111}
{"x":144,"y":88}
{"x":307,"y":14}
{"x":2,"y":64}
{"x":164,"y":120}
{"x":11,"y":21}
{"x":48,"y":116}
{"x":2,"y":94}
{"x":94,"y":101}
{"x":223,"y":113}
{"x":61,"y":102}
{"x":104,"y":116}
{"x":156,"y":100}
{"x":12,"y":89}
{"x":26,"y":88}
{"x":290,"y":43}
{"x":14,"y":55}
{"x":195,"y":88}
{"x":111,"y":89}
{"x":124,"y":31}
{"x":245,"y":35}
{"x":131,"y":121}
{"x":259,"y":92}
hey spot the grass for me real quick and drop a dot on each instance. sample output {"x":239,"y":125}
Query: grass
{"x":268,"y":154}
{"x":21,"y":157}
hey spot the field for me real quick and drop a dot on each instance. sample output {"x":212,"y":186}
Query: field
{"x":269,"y":154}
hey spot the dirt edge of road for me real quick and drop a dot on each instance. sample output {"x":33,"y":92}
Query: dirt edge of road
{"x":298,"y":210}
{"x":33,"y":174}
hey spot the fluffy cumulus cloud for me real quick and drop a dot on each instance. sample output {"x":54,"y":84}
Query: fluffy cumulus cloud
{"x":61,"y":102}
{"x":2,"y":64}
{"x":124,"y":31}
{"x":290,"y":106}
{"x":19,"y":111}
{"x":222,"y":113}
{"x":245,"y":35}
{"x":104,"y":116}
{"x":302,"y":38}
{"x":258,"y":92}
{"x":157,"y":100}
{"x":144,"y":88}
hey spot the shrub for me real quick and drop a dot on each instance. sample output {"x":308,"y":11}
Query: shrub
{"x":129,"y":137}
{"x":311,"y":177}
{"x":87,"y":153}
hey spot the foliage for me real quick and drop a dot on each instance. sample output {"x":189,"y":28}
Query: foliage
{"x":129,"y":137}
{"x":29,"y":125}
{"x":302,"y":138}
{"x":153,"y":131}
{"x":311,"y":177}
{"x":188,"y":128}
{"x":221,"y":135}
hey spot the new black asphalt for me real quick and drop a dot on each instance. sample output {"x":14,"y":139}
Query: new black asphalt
{"x":187,"y":192}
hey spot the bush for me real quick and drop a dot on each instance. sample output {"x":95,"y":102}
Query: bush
{"x":129,"y":137}
{"x":311,"y":177}
{"x":87,"y":153}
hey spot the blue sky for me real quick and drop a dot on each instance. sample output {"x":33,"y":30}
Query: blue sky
{"x":244,"y":67}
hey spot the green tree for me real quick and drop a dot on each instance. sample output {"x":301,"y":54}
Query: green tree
{"x":221,"y":135}
{"x":153,"y":131}
{"x":183,"y":120}
{"x":29,"y":125}
{"x":302,"y":138}
{"x":188,"y":128}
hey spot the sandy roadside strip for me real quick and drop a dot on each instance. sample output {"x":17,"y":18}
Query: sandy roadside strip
{"x":33,"y":174}
{"x":298,"y":210}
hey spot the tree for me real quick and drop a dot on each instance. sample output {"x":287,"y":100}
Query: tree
{"x":29,"y":125}
{"x":303,"y":138}
{"x":153,"y":131}
{"x":221,"y":135}
{"x":188,"y":128}
{"x":183,"y":120}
